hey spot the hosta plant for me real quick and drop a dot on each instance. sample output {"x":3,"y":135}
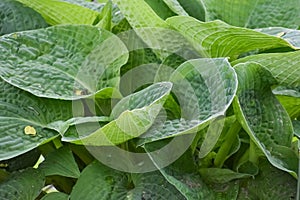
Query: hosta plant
{"x":149,"y":99}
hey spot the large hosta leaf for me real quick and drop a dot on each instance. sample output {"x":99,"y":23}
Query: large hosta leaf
{"x":133,"y":115}
{"x":109,"y":184}
{"x":175,"y":6}
{"x":59,"y":12}
{"x":62,"y":62}
{"x":204,"y":89}
{"x":25,"y":119}
{"x":17,"y":17}
{"x":263,"y":117}
{"x":270,"y":183}
{"x":60,"y":162}
{"x":218,"y":39}
{"x":283,"y":66}
{"x":254,"y":14}
{"x":26,"y":184}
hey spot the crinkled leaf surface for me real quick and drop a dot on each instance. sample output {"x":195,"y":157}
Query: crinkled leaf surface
{"x":16,"y":17}
{"x":195,"y":8}
{"x":133,"y":115}
{"x":26,"y":184}
{"x":160,"y":8}
{"x":218,"y":39}
{"x":283,"y":66}
{"x":204,"y":89}
{"x":109,"y":184}
{"x":263,"y":117}
{"x":270,"y":183}
{"x":254,"y":13}
{"x":63,"y":62}
{"x":59,"y":12}
{"x":19,"y":109}
{"x":60,"y":162}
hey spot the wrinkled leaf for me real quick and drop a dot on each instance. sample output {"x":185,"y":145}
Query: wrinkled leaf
{"x":18,"y":110}
{"x":56,"y":196}
{"x":63,"y":62}
{"x":263,"y":117}
{"x":14,"y":14}
{"x":25,"y":185}
{"x":284,"y":67}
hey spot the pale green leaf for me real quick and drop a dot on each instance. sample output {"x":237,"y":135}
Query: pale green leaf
{"x":63,"y":62}
{"x":290,"y":99}
{"x":60,"y":162}
{"x":284,"y":67}
{"x":254,"y":13}
{"x":59,"y":12}
{"x":133,"y":116}
{"x":19,"y":111}
{"x":16,"y":17}
{"x":139,"y":14}
{"x":25,"y":185}
{"x":109,"y":184}
{"x":263,"y":117}
{"x":218,"y":39}
{"x":106,"y":17}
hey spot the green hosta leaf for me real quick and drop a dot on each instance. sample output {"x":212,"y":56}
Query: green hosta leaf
{"x":218,"y":39}
{"x":290,"y":99}
{"x":26,"y":184}
{"x":88,"y":4}
{"x":284,"y":67}
{"x":109,"y":184}
{"x":60,"y":162}
{"x":160,"y":8}
{"x":139,"y":14}
{"x":16,"y":17}
{"x":175,"y":6}
{"x":19,"y":111}
{"x":56,"y":196}
{"x":290,"y":35}
{"x":270,"y":183}
{"x":204,"y":89}
{"x":296,"y":125}
{"x":217,"y":175}
{"x":194,"y":8}
{"x":254,"y":14}
{"x":63,"y":62}
{"x":263,"y":117}
{"x":106,"y":16}
{"x":58,"y":12}
{"x":133,"y":116}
